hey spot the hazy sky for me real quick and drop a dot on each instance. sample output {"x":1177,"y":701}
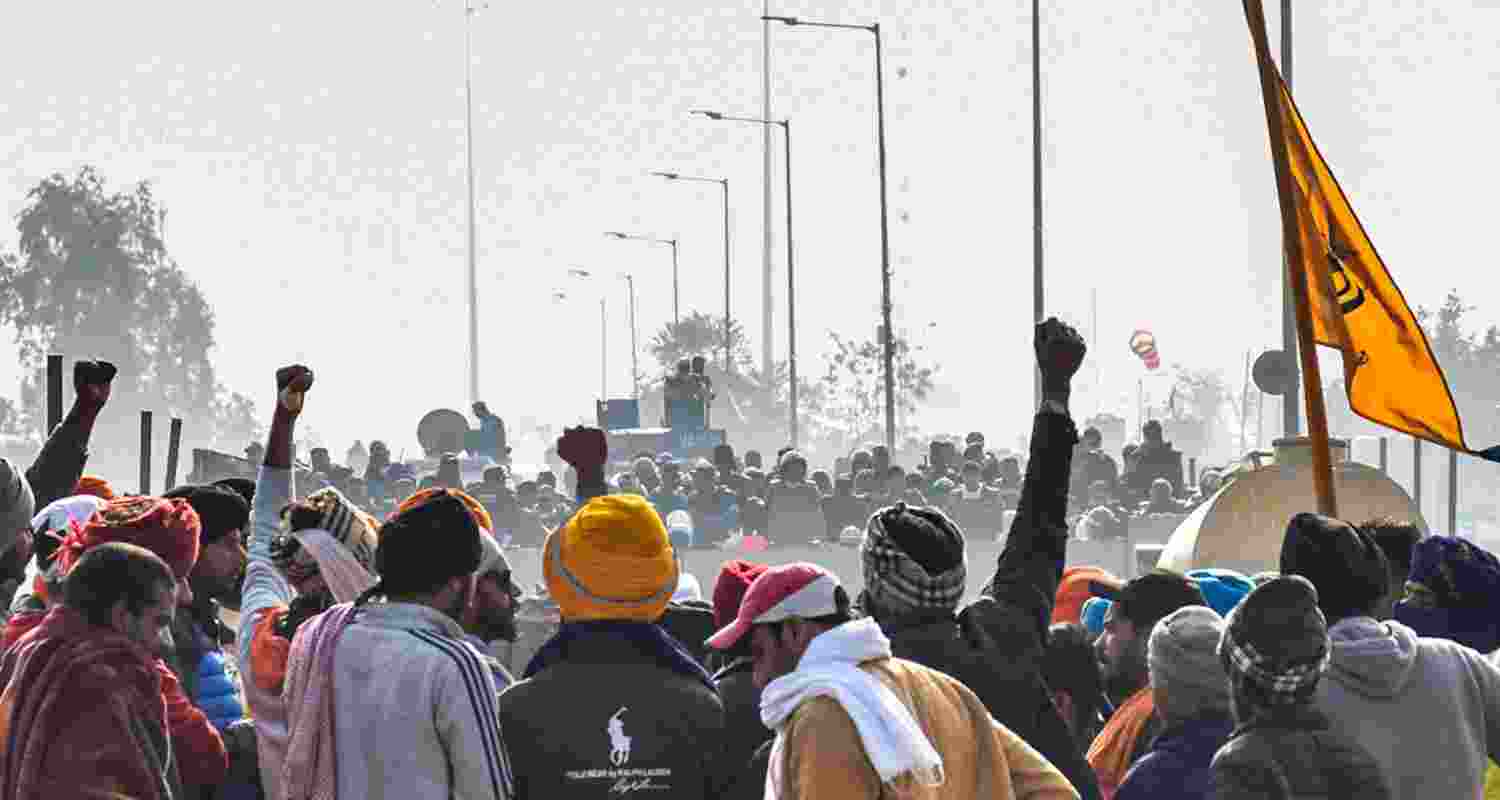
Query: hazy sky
{"x":311,"y":158}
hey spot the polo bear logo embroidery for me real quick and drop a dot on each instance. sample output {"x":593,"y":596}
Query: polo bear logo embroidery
{"x":619,"y":753}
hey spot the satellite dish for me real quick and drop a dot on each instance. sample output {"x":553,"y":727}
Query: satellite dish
{"x":1275,"y":373}
{"x":442,"y":431}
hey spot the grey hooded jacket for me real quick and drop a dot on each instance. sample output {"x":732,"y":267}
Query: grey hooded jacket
{"x":1428,"y":710}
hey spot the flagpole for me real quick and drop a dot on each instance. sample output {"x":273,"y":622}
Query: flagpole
{"x":1317,"y":418}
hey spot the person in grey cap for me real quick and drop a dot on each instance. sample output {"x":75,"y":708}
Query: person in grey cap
{"x":1275,"y":649}
{"x":1192,"y":698}
{"x":52,"y":476}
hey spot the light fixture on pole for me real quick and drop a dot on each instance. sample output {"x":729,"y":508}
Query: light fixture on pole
{"x":728,"y":320}
{"x":791,"y":274}
{"x":887,"y":335}
{"x":676,"y":309}
{"x":635,"y":366}
{"x":584,"y":274}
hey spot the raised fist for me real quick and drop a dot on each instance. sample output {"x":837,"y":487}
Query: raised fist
{"x":292,"y":384}
{"x":584,"y":449}
{"x":1059,"y":353}
{"x":92,"y":381}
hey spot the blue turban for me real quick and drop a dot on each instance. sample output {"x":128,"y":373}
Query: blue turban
{"x":1222,"y":588}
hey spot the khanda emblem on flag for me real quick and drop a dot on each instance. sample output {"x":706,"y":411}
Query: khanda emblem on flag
{"x":1349,"y":294}
{"x":1391,"y":376}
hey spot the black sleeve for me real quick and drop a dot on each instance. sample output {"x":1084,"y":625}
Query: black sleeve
{"x":1028,"y":570}
{"x":59,"y":465}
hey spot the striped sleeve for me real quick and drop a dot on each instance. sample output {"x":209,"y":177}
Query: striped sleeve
{"x":468,"y":717}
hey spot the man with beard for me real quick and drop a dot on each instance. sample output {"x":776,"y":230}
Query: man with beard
{"x":385,"y":699}
{"x":490,"y":619}
{"x":82,"y":713}
{"x":1134,"y":609}
{"x":208,"y":677}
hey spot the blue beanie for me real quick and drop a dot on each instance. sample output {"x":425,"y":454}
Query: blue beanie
{"x":1222,"y":588}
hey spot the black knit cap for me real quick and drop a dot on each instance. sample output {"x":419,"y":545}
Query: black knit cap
{"x":926,"y":535}
{"x":1146,"y":599}
{"x":1281,"y":621}
{"x":220,"y":509}
{"x":426,"y":546}
{"x":244,"y":487}
{"x":1345,"y":565}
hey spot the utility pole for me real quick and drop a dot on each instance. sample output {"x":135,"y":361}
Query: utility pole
{"x":767,"y":358}
{"x":1290,"y":407}
{"x":1038,"y":295}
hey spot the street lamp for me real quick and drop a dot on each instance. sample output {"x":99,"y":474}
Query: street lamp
{"x":888,"y":345}
{"x":676,"y":310}
{"x":791,"y":283}
{"x":635,"y":366}
{"x":724,"y":184}
{"x":560,"y":296}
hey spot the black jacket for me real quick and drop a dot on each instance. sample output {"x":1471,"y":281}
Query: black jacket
{"x":1294,"y":754}
{"x":609,"y":722}
{"x":745,"y":733}
{"x":995,"y":646}
{"x":690,"y":623}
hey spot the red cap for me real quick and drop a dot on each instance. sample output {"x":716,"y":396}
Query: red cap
{"x":801,"y":591}
{"x":734,"y":580}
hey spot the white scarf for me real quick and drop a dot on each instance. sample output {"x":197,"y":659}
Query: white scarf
{"x":894,"y":742}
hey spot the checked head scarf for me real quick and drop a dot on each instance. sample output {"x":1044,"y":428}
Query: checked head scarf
{"x":1275,"y":646}
{"x":914,"y":560}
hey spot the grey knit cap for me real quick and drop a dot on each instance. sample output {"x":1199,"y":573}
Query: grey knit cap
{"x":17,"y":504}
{"x":1184,"y":661}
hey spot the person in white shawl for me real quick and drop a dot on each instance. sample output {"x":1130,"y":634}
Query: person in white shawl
{"x":854,"y":723}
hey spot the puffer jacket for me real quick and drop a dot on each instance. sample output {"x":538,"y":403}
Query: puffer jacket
{"x":995,"y":646}
{"x":1178,"y":765}
{"x":1294,"y":754}
{"x":631,"y":728}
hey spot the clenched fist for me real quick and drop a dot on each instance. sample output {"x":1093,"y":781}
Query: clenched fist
{"x":292,"y":384}
{"x":1059,"y":353}
{"x":584,"y":449}
{"x":92,"y":381}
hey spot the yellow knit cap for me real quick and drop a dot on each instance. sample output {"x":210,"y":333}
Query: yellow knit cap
{"x":612,"y":561}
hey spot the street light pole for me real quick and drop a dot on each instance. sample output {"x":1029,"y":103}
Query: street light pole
{"x":1038,"y":296}
{"x":791,"y":270}
{"x":635,"y":366}
{"x":583,"y":274}
{"x":676,"y":309}
{"x":728,"y":320}
{"x":469,"y":150}
{"x":888,"y":345}
{"x":1290,"y":402}
{"x":728,"y":330}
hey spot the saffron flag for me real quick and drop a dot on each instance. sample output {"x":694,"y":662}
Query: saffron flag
{"x":1390,"y":374}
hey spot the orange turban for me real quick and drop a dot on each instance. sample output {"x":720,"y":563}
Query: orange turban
{"x":476,"y":510}
{"x":96,"y":486}
{"x":168,"y":528}
{"x":612,"y":561}
{"x":1073,"y":592}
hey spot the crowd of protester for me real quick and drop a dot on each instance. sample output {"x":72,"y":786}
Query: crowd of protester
{"x":359,"y":659}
